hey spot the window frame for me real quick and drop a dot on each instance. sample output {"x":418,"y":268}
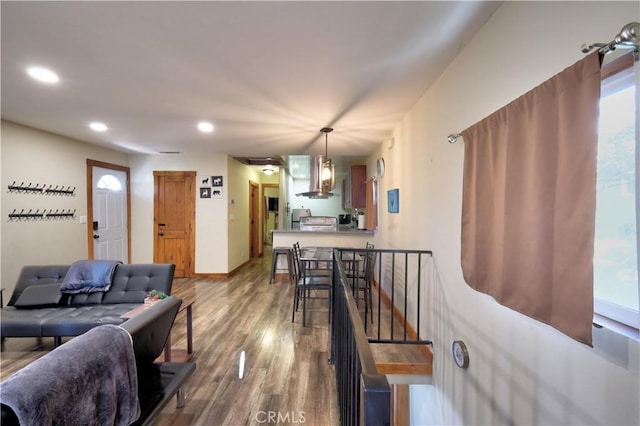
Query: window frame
{"x":615,"y":76}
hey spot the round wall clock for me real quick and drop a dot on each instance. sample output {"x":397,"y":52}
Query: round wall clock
{"x":380,"y":167}
{"x":460,"y":354}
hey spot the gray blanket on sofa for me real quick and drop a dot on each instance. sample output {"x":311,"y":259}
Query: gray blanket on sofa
{"x":90,"y":380}
{"x":89,"y":276}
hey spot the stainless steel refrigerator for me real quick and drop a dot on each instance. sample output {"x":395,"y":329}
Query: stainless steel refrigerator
{"x":296,"y":214}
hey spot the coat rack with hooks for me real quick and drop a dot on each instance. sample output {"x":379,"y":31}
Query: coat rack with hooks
{"x":26,"y":188}
{"x":61,"y":191}
{"x":42,"y":215}
{"x":37,"y":189}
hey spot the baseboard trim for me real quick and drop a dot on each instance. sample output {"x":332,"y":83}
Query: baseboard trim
{"x":219,"y":275}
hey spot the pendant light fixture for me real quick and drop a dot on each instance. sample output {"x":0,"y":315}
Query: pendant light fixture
{"x":322,"y":174}
{"x":328,"y":169}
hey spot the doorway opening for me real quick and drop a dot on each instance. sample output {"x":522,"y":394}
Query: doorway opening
{"x":270,"y":209}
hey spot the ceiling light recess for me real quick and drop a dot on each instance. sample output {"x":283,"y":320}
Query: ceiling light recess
{"x":322,"y":179}
{"x":205,"y":127}
{"x":98,"y":127}
{"x":43,"y":75}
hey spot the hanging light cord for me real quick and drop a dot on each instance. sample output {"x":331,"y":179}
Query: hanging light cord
{"x":326,"y":131}
{"x":326,"y":146}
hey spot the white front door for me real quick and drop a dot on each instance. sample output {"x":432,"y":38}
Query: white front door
{"x":110,"y":209}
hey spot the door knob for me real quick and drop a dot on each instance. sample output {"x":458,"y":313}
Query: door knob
{"x":161,"y":234}
{"x":96,"y":236}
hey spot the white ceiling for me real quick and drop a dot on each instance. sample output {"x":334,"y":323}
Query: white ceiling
{"x":269,"y":75}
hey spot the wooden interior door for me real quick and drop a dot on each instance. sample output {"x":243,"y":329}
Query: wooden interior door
{"x":174,"y":220}
{"x":254,"y":208}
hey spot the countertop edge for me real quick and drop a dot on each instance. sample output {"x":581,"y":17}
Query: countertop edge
{"x":340,"y":232}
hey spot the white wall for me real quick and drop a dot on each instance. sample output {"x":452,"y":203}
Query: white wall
{"x":32,"y":155}
{"x":522,"y":371}
{"x":211,"y":238}
{"x":37,"y":157}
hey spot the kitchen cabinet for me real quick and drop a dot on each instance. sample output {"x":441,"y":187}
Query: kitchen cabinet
{"x":354,"y":194}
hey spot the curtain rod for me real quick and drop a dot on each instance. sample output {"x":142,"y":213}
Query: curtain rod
{"x":627,"y":38}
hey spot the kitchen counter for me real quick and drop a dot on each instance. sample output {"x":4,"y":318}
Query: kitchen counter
{"x":343,"y":237}
{"x":340,"y":230}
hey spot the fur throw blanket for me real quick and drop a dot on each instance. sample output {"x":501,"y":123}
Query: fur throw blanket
{"x":90,"y":380}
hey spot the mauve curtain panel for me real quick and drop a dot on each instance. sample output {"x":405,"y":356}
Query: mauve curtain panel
{"x":528,"y":210}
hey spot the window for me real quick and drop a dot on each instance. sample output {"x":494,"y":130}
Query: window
{"x":616,"y":237}
{"x":109,"y":182}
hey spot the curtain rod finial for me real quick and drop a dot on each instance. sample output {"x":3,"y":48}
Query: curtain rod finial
{"x":453,"y":137}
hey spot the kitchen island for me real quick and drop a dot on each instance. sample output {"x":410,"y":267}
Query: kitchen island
{"x":343,"y":237}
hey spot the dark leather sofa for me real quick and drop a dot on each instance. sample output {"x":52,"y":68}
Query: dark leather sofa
{"x":73,"y":315}
{"x":157,"y":382}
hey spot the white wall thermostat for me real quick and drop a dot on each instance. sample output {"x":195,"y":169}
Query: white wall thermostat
{"x":380,"y":167}
{"x":460,"y":354}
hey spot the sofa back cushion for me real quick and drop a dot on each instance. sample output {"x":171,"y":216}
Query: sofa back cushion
{"x":37,"y":275}
{"x":39,"y":296}
{"x":132,"y":282}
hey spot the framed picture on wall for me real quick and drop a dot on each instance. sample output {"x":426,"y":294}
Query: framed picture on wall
{"x":216,"y":180}
{"x":216,"y":193}
{"x":204,"y":181}
{"x":205,"y":192}
{"x":393,"y":200}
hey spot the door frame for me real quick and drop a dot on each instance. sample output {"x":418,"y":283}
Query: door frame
{"x":90,"y":165}
{"x":254,"y":223}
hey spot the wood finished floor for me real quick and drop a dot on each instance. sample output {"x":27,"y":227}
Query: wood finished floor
{"x":286,"y":369}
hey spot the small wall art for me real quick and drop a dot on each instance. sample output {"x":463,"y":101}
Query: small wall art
{"x":210,"y":186}
{"x":393,"y":200}
{"x":204,"y":181}
{"x":205,"y":192}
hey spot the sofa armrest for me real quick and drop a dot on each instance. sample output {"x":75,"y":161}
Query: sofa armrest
{"x":157,"y":382}
{"x":7,"y":416}
{"x":37,"y":275}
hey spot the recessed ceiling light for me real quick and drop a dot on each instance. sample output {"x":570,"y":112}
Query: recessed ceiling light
{"x":43,"y":75}
{"x":98,"y":127}
{"x":205,"y":127}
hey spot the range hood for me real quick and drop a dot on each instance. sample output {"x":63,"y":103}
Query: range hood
{"x":319,"y":188}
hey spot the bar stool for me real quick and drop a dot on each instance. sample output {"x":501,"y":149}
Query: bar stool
{"x":277,"y":251}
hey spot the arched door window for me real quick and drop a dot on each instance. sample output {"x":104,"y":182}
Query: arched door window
{"x":109,"y":182}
